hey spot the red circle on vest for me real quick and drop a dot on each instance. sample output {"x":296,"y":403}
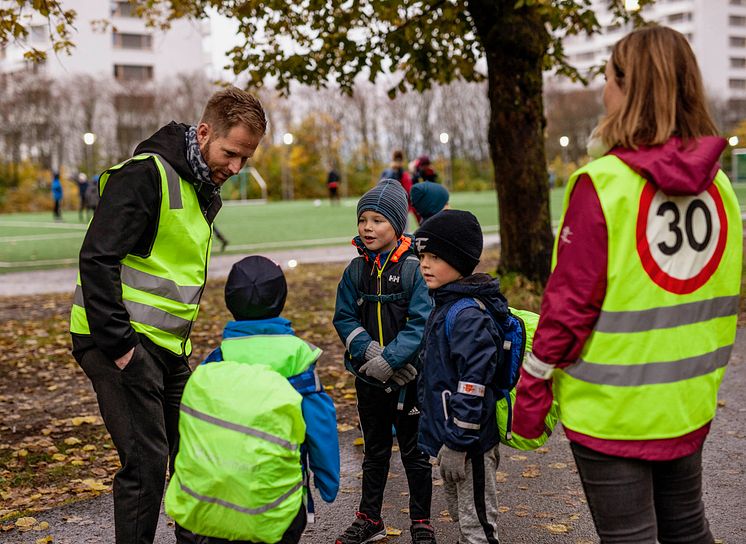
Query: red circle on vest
{"x":680,"y":240}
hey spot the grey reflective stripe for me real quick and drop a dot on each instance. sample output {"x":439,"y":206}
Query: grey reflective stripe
{"x":147,"y":315}
{"x":465,"y":425}
{"x":174,"y":185}
{"x":78,"y":296}
{"x":667,"y":317}
{"x":242,"y":509}
{"x":352,"y":336}
{"x":650,"y":373}
{"x":155,"y":317}
{"x":239,"y":428}
{"x":155,"y":285}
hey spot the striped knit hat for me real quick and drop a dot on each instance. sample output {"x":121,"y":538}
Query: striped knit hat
{"x":390,"y":200}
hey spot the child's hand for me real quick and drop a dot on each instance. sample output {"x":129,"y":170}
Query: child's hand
{"x":452,"y":464}
{"x":373,"y":350}
{"x":404,"y":375}
{"x":377,"y":368}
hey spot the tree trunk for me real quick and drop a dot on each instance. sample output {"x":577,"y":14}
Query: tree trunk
{"x":515,"y":42}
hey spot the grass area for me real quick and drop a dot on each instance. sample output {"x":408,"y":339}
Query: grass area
{"x":32,"y":240}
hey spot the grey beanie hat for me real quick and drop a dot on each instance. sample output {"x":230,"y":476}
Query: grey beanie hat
{"x":390,"y":200}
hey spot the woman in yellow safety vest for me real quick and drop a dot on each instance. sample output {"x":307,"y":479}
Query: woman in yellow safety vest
{"x":639,"y":315}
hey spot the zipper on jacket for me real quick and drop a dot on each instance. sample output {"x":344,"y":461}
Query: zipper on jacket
{"x":378,"y":292}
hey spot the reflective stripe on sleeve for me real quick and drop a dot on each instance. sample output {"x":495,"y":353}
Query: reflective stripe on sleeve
{"x":473,"y":389}
{"x":352,"y":336}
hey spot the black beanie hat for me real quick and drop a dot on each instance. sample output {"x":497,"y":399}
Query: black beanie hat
{"x":453,"y":235}
{"x":255,"y":289}
{"x":390,"y":200}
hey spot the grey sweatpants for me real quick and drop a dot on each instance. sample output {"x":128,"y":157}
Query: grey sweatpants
{"x":473,"y":502}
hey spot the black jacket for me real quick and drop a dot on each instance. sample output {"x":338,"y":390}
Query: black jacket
{"x":125,"y":223}
{"x":462,"y":421}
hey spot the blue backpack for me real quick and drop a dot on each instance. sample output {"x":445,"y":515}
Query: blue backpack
{"x":513,"y":338}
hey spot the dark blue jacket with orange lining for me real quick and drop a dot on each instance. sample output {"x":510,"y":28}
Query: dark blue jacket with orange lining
{"x":382,"y":297}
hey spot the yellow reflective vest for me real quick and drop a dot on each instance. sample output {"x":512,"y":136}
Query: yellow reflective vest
{"x":652,"y":366}
{"x":161,"y":291}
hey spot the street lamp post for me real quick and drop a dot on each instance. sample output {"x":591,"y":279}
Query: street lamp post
{"x":733,"y":142}
{"x":89,"y":138}
{"x":564,"y":141}
{"x":287,"y":182}
{"x":444,"y":139}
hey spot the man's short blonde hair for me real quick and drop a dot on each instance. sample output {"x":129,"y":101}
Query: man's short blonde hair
{"x":232,"y":106}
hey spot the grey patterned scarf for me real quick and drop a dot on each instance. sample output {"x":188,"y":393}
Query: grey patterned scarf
{"x":195,"y":159}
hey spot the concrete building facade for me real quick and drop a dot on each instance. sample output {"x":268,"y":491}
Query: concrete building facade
{"x":716,"y":30}
{"x":111,"y":42}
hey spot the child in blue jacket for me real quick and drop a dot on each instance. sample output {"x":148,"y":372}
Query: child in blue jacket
{"x":255,"y":294}
{"x":461,"y":356}
{"x":381,"y":309}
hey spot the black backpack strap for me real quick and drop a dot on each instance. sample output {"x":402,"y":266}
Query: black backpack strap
{"x":409,"y":269}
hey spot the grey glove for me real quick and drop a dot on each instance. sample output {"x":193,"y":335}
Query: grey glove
{"x":374,"y":349}
{"x":404,"y":375}
{"x":452,"y":464}
{"x":377,"y":368}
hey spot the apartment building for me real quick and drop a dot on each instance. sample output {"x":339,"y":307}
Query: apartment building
{"x":111,"y":41}
{"x":108,"y":86}
{"x":716,"y":30}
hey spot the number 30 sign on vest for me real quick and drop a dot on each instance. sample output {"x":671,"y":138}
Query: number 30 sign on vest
{"x":659,"y":349}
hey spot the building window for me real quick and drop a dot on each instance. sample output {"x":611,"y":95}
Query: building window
{"x":123,"y":40}
{"x":134,"y":102}
{"x":131,"y":72}
{"x":613,"y":28}
{"x":737,"y":20}
{"x":736,"y":41}
{"x":584,"y":57}
{"x":39,"y":34}
{"x":679,"y":17}
{"x":737,"y":83}
{"x":122,"y":9}
{"x":738,"y":2}
{"x":737,"y":62}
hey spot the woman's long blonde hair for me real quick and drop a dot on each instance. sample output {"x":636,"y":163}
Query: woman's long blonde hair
{"x":663,"y":93}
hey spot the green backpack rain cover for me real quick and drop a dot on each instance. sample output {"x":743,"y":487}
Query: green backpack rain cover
{"x":238,"y":471}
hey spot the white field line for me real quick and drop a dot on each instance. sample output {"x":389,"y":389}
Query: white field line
{"x":29,"y":264}
{"x":37,"y":237}
{"x":65,"y":226}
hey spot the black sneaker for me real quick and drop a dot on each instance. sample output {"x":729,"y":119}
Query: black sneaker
{"x":362,"y":530}
{"x":422,"y":532}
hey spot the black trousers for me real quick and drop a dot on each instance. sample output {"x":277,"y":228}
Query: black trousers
{"x":140,"y":407}
{"x":644,"y":502}
{"x":291,"y":535}
{"x":377,"y":411}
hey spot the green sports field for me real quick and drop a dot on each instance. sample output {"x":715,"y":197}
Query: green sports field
{"x":33,"y":240}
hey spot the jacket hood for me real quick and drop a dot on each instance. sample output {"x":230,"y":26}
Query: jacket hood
{"x":404,"y":246}
{"x":170,"y":143}
{"x":676,"y":167}
{"x":481,"y":286}
{"x":274,"y":325}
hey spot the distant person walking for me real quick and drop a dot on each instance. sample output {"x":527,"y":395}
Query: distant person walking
{"x":91,"y":197}
{"x":143,"y":268}
{"x":57,"y":196}
{"x":639,"y":315}
{"x":397,"y":171}
{"x":332,"y":185}
{"x":82,"y":182}
{"x":423,"y":170}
